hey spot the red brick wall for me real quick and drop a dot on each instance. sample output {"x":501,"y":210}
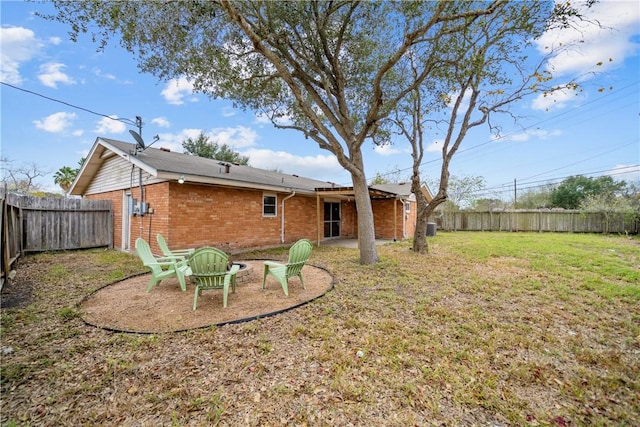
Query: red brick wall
{"x":190,"y":215}
{"x":231,"y":219}
{"x":349,"y":220}
{"x":383,"y":219}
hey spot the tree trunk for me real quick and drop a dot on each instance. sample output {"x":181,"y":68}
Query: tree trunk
{"x":366,"y":229}
{"x":420,"y":234}
{"x":420,"y":245}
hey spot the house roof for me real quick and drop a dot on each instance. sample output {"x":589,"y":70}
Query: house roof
{"x":164,"y":164}
{"x":400,"y":189}
{"x":403,"y":189}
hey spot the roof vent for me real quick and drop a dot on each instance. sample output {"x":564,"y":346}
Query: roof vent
{"x":165,"y":149}
{"x":227,"y":166}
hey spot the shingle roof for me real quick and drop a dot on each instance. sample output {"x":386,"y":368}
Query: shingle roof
{"x":196,"y":168}
{"x":165,"y":164}
{"x":400,"y":189}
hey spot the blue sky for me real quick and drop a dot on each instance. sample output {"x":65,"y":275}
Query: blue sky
{"x":594,"y":133}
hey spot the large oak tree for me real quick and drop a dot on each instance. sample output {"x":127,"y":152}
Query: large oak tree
{"x":332,"y":70}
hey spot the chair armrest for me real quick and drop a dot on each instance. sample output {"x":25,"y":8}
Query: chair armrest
{"x":274,"y":264}
{"x":172,"y":259}
{"x":183,"y":252}
{"x":234,"y":269}
{"x":162,"y":263}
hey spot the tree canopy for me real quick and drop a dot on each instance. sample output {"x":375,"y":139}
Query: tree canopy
{"x":332,"y":70}
{"x":201,"y":146}
{"x":573,"y":191}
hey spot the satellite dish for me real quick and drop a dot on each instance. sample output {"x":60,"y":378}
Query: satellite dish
{"x":138,"y":138}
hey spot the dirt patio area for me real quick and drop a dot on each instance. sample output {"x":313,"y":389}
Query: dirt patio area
{"x":126,"y":306}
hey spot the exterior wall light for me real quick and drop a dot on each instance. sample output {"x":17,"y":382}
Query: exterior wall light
{"x":181,"y":179}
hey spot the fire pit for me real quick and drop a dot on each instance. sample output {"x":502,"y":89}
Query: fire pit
{"x":244,"y":274}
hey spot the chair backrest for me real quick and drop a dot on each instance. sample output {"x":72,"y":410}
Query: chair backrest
{"x":208,"y":267}
{"x":298,"y":255}
{"x":162,"y":244}
{"x":144,"y":252}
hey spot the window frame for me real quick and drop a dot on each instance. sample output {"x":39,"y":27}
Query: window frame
{"x":265,"y":205}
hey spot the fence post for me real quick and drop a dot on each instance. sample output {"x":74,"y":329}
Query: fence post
{"x":4,"y":240}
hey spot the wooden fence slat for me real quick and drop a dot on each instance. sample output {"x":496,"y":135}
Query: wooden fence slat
{"x":34,"y":224}
{"x":538,"y":220}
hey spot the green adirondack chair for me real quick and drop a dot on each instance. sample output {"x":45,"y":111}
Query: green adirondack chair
{"x":161,"y":267}
{"x":210,"y":270}
{"x":175,"y":253}
{"x":298,"y":256}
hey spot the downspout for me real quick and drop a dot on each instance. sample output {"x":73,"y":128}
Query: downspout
{"x":140,"y":202}
{"x":282,"y":218}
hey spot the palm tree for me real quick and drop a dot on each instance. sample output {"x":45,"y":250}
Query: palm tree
{"x":64,"y":177}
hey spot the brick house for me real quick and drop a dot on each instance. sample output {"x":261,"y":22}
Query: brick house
{"x":193,"y":201}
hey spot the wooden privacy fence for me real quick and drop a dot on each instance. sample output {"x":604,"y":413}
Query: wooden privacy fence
{"x":539,"y":220}
{"x":36,"y":224}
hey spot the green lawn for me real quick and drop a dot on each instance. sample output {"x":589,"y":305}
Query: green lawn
{"x":487,"y":329}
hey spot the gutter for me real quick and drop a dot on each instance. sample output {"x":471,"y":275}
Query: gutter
{"x":282,"y":218}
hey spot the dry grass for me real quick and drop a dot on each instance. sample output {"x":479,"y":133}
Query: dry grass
{"x":488,"y":329}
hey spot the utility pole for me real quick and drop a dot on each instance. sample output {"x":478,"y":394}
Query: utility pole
{"x":515,"y":193}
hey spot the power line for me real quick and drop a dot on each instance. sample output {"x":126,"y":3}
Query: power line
{"x":508,"y":188}
{"x":580,"y":161}
{"x":588,"y":103}
{"x":123,"y":120}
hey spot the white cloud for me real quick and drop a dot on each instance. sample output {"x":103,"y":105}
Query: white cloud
{"x":51,"y":74}
{"x":556,"y":99}
{"x":161,"y":122}
{"x":434,"y":147}
{"x":55,"y":123}
{"x":321,"y":167}
{"x":386,"y":150}
{"x":228,"y":112}
{"x":98,"y":72}
{"x":262,"y":118}
{"x":614,"y":39}
{"x":77,"y":132}
{"x":176,"y":89}
{"x":173,"y":141}
{"x":237,"y":137}
{"x":110,"y":126}
{"x":464,"y":105}
{"x":55,"y":40}
{"x":17,"y":45}
{"x":530,"y":133}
